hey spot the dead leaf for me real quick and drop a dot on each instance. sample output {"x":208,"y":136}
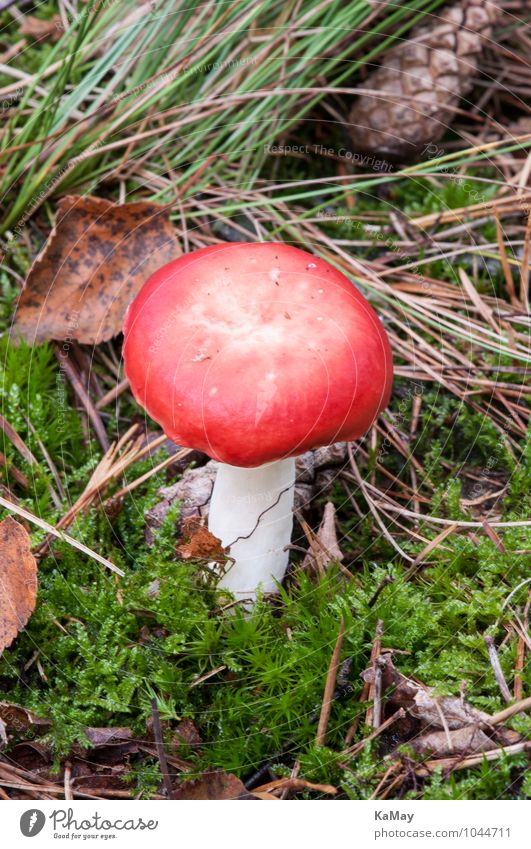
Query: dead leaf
{"x":18,"y":580}
{"x":96,"y":259}
{"x":42,"y":30}
{"x":187,"y":733}
{"x":110,"y":746}
{"x":199,"y":543}
{"x":421,"y":703}
{"x":18,"y":719}
{"x":443,"y":725}
{"x":461,"y":741}
{"x":325,"y":548}
{"x":31,"y":755}
{"x":214,"y":785}
{"x":105,"y":736}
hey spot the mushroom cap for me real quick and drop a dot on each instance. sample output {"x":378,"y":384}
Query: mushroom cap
{"x":253,"y":352}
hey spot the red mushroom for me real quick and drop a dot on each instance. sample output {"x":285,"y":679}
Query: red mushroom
{"x":255,"y":353}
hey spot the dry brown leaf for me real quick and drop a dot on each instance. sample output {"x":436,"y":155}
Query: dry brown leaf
{"x":420,"y":703}
{"x":199,"y":543}
{"x":187,"y":733}
{"x":18,"y":719}
{"x":212,"y":785}
{"x":41,"y":30}
{"x":105,"y":736}
{"x":461,"y":741}
{"x":96,"y":259}
{"x":31,"y":754}
{"x":325,"y":550}
{"x":18,"y":580}
{"x":443,"y":721}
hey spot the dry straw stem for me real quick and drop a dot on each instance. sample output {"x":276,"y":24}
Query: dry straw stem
{"x":35,"y":520}
{"x":355,"y":750}
{"x":377,"y":694}
{"x":85,"y":400}
{"x":421,"y":308}
{"x":368,"y":692}
{"x":449,"y":764}
{"x":396,"y":774}
{"x":160,"y":748}
{"x":111,"y":464}
{"x":294,"y":784}
{"x":518,"y":707}
{"x":320,"y":739}
{"x":433,"y":545}
{"x":386,"y":506}
{"x":364,"y":487}
{"x":128,"y":449}
{"x":496,"y":668}
{"x":522,"y":633}
{"x":172,"y":458}
{"x":67,"y":781}
{"x":39,"y":788}
{"x":112,"y":394}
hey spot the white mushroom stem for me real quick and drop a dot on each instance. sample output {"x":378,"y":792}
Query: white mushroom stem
{"x":251,"y":512}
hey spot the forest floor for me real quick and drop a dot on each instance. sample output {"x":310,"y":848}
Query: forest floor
{"x":152,"y":683}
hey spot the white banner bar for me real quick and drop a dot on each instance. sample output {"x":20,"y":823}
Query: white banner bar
{"x":258,"y":825}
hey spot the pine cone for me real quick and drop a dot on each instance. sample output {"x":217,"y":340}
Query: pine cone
{"x":421,"y":80}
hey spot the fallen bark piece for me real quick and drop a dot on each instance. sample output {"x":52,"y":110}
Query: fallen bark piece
{"x":18,"y":580}
{"x":95,"y":261}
